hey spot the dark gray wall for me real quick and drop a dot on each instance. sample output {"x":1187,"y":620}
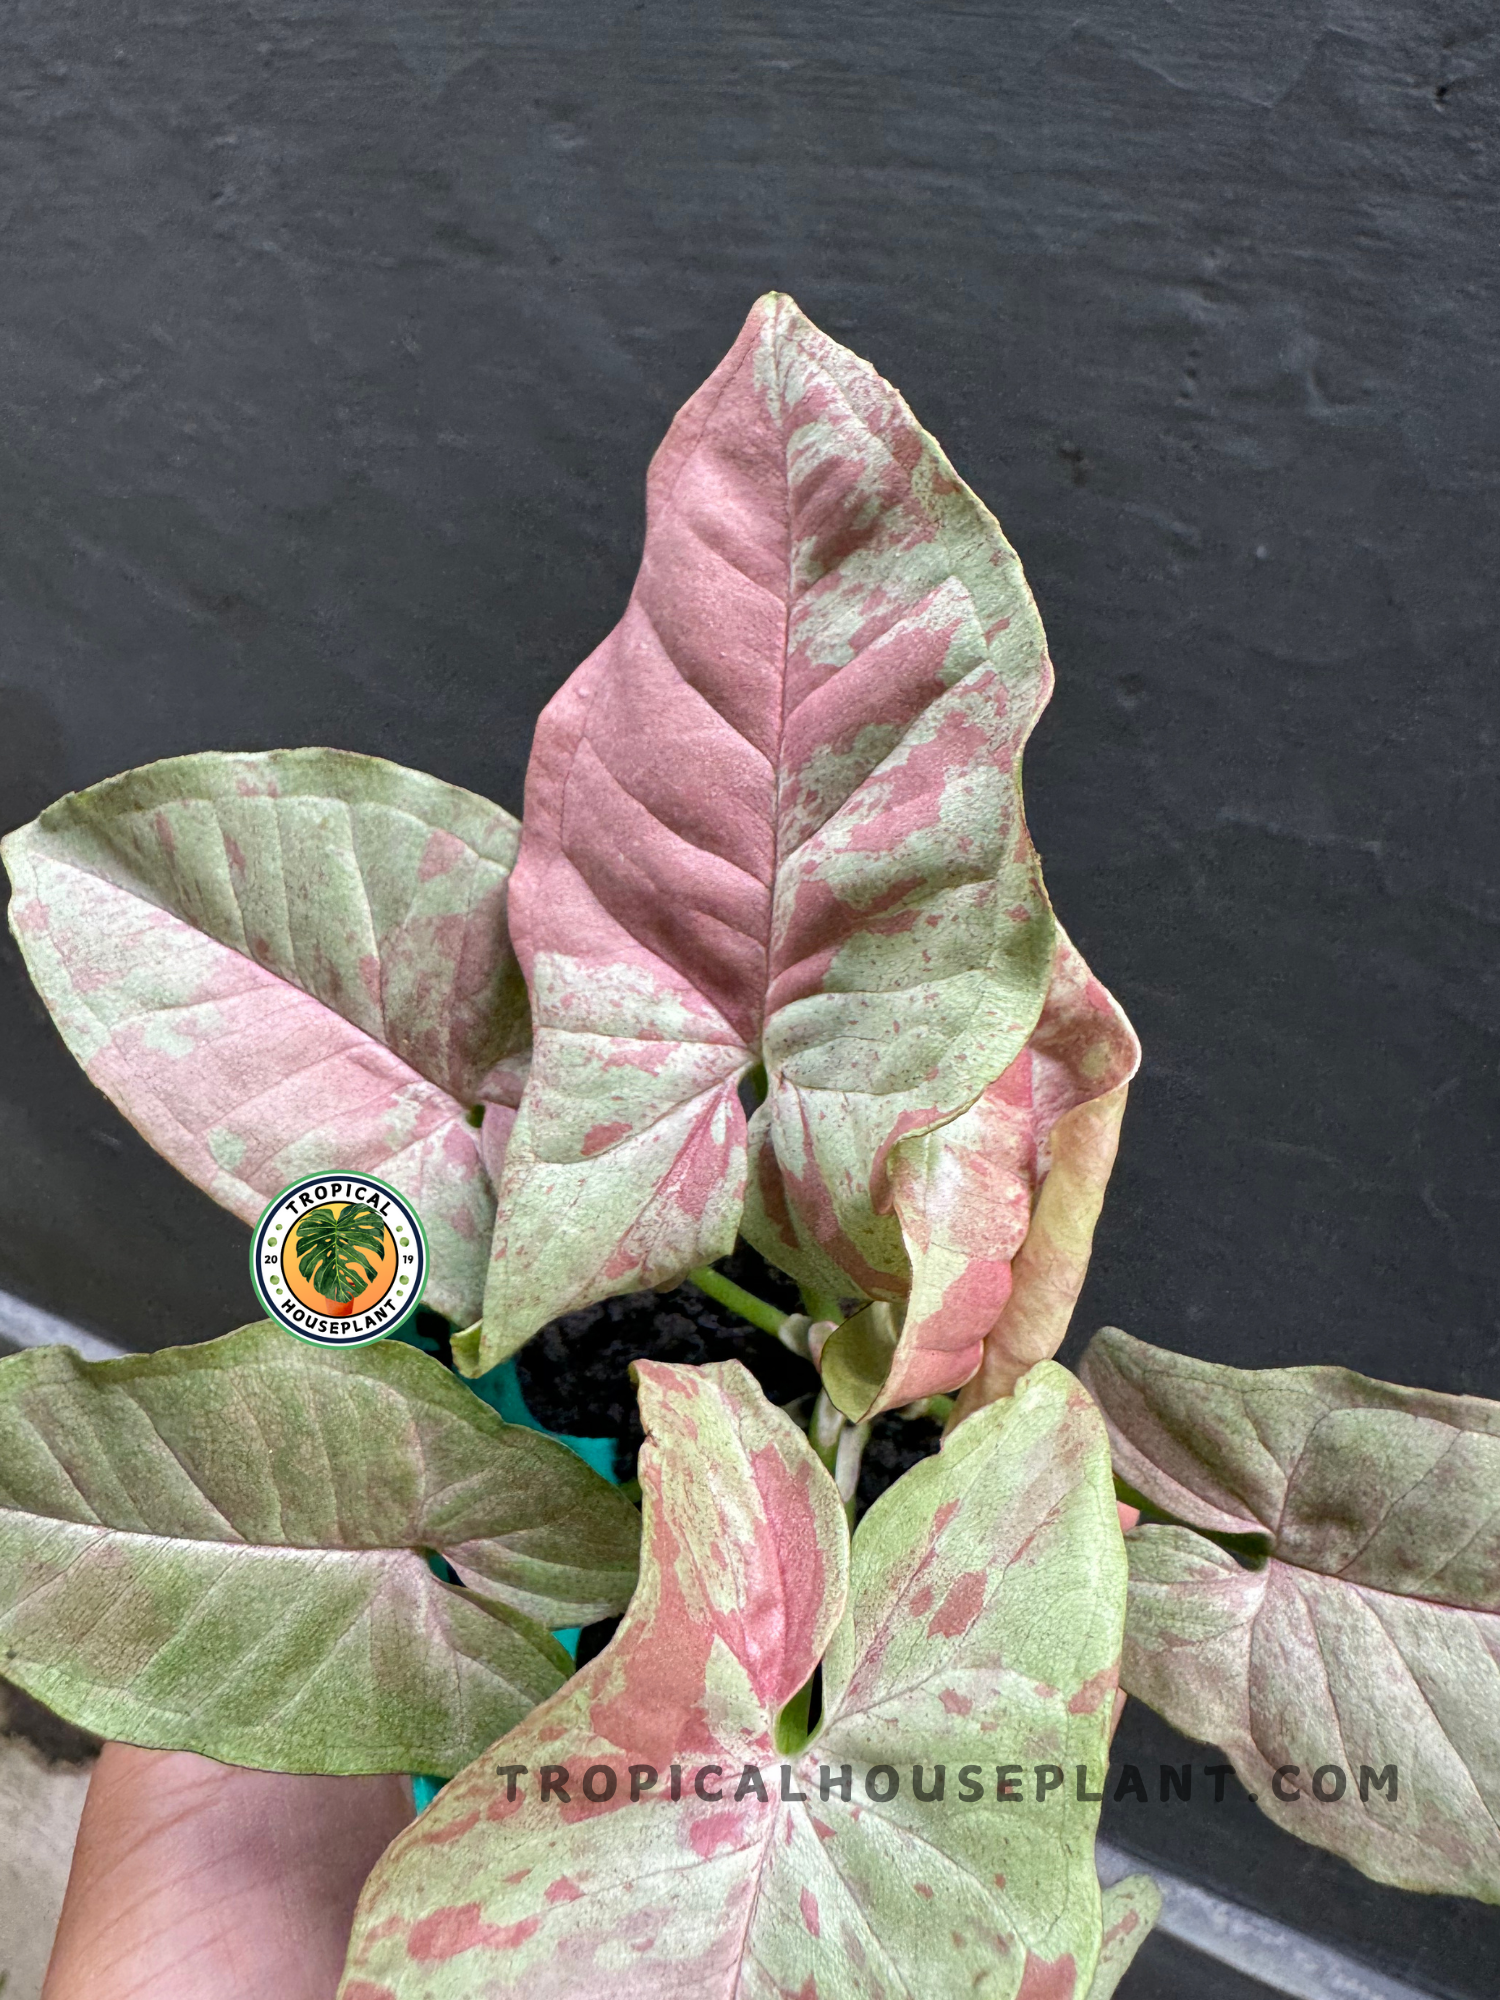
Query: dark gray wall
{"x":336,"y":340}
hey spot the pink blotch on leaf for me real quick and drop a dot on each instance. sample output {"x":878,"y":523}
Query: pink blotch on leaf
{"x":1048,"y":1978}
{"x":377,"y":1934}
{"x":959,"y":1609}
{"x":599,"y":1137}
{"x":715,"y":1830}
{"x":810,"y":1913}
{"x":923,"y":1890}
{"x":1093,"y":1691}
{"x":448,"y":1932}
{"x":956,"y":1703}
{"x":443,"y":1834}
{"x":442,"y":852}
{"x":563,"y":1890}
{"x":620,"y":1265}
{"x":794,"y":1550}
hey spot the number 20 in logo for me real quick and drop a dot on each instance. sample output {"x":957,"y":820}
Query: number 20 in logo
{"x":339,"y":1259}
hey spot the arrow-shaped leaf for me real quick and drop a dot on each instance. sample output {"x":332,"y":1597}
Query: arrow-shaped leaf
{"x":775,"y":819}
{"x":223,"y":1548}
{"x":1361,"y":1656}
{"x":981,"y":1630}
{"x":283,"y":963}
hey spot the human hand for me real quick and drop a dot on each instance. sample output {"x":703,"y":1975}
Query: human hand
{"x":199,"y":1881}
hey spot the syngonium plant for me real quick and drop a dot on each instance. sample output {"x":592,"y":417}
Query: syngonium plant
{"x":769,"y":958}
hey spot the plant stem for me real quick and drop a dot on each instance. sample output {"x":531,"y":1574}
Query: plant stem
{"x":791,"y":1730}
{"x":840,"y":1445}
{"x":767,"y":1317}
{"x":821,"y":1305}
{"x":823,"y":1428}
{"x":847,"y":1462}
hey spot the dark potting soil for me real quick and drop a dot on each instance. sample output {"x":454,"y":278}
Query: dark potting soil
{"x":575,"y":1374}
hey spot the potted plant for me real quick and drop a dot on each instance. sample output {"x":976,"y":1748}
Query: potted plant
{"x":770,"y":961}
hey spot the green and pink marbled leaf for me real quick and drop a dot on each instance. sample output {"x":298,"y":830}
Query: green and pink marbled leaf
{"x":281,"y":963}
{"x":976,"y":1624}
{"x":222,"y":1549}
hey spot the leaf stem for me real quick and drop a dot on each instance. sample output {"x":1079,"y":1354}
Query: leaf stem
{"x":841,"y":1446}
{"x":821,"y":1305}
{"x":791,"y":1727}
{"x":759,"y":1313}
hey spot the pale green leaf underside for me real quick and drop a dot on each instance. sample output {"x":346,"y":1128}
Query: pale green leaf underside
{"x":222,"y":1548}
{"x":1366,"y":1641}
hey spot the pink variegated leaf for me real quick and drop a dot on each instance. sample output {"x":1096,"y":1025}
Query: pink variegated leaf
{"x":775,"y":820}
{"x":285,"y":962}
{"x":998,"y":1208}
{"x":979,"y":1627}
{"x":1352,"y":1671}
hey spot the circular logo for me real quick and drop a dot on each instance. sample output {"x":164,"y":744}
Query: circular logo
{"x":339,"y":1259}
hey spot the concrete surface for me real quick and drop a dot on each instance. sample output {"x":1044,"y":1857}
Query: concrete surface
{"x":41,"y":1799}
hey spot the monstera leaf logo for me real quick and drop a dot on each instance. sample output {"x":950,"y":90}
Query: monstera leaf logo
{"x":335,"y":1249}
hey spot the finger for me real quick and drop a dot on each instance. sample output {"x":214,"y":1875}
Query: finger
{"x":192,"y":1878}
